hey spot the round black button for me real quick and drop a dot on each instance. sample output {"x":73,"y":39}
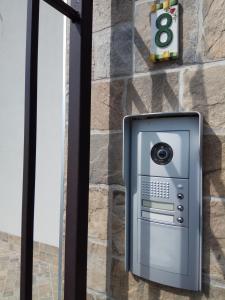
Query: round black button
{"x":180,"y":196}
{"x":180,"y":207}
{"x":180,"y":220}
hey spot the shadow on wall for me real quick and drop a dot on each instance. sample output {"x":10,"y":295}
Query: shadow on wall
{"x":161,"y":97}
{"x":117,"y":285}
{"x":212,"y":165}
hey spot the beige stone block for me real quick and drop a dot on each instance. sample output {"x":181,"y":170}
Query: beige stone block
{"x":107,"y":105}
{"x":204,"y":91}
{"x":4,"y":236}
{"x":36,"y":249}
{"x":153,"y":93}
{"x":45,"y":257}
{"x":11,"y":298}
{"x":123,"y":284}
{"x":45,"y":291}
{"x":8,"y":293}
{"x":49,"y":249}
{"x":118,"y":223}
{"x":2,"y":284}
{"x":142,"y":37}
{"x":43,"y":278}
{"x":210,"y":292}
{"x":108,"y":13}
{"x":15,"y":238}
{"x":97,"y":267}
{"x":98,"y":213}
{"x":214,"y":239}
{"x":101,"y":297}
{"x":189,"y":30}
{"x":214,"y":29}
{"x":106,"y":159}
{"x":90,"y":297}
{"x":35,"y":296}
{"x":112,"y":51}
{"x":214,"y":263}
{"x":214,"y":165}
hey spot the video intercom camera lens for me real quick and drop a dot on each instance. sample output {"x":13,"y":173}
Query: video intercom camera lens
{"x":161,"y":153}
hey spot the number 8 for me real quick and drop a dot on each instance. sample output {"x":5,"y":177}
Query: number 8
{"x":164,"y":29}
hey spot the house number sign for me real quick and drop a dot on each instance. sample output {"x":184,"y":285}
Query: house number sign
{"x":164,"y":30}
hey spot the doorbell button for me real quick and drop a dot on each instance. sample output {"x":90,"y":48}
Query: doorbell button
{"x":180,"y":196}
{"x":180,"y":207}
{"x":180,"y":220}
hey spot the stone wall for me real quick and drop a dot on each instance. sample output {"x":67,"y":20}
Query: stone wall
{"x":125,"y":82}
{"x":45,"y":269}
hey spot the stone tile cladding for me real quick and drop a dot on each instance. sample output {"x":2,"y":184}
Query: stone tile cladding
{"x":45,"y":269}
{"x":125,"y":82}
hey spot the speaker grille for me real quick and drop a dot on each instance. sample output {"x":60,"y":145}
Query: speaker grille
{"x":155,"y":189}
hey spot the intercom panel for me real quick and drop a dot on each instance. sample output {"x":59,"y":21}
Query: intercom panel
{"x":163,"y":180}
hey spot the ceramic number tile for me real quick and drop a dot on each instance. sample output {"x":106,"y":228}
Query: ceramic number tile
{"x":164,"y":30}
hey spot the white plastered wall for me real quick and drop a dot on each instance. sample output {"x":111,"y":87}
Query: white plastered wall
{"x":50,"y":119}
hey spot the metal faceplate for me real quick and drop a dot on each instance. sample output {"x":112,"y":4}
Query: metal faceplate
{"x":163,"y":179}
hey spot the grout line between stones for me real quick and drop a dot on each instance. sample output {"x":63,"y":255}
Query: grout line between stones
{"x":98,"y":241}
{"x":108,"y":187}
{"x":207,"y":131}
{"x":111,"y":26}
{"x":193,"y":67}
{"x":213,"y":282}
{"x":214,"y":199}
{"x":214,"y":131}
{"x":143,"y":1}
{"x":105,"y":132}
{"x":96,"y":292}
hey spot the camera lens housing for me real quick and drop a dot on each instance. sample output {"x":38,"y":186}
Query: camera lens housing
{"x":161,"y":153}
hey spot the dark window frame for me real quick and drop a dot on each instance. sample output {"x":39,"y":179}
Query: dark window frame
{"x":80,"y":14}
